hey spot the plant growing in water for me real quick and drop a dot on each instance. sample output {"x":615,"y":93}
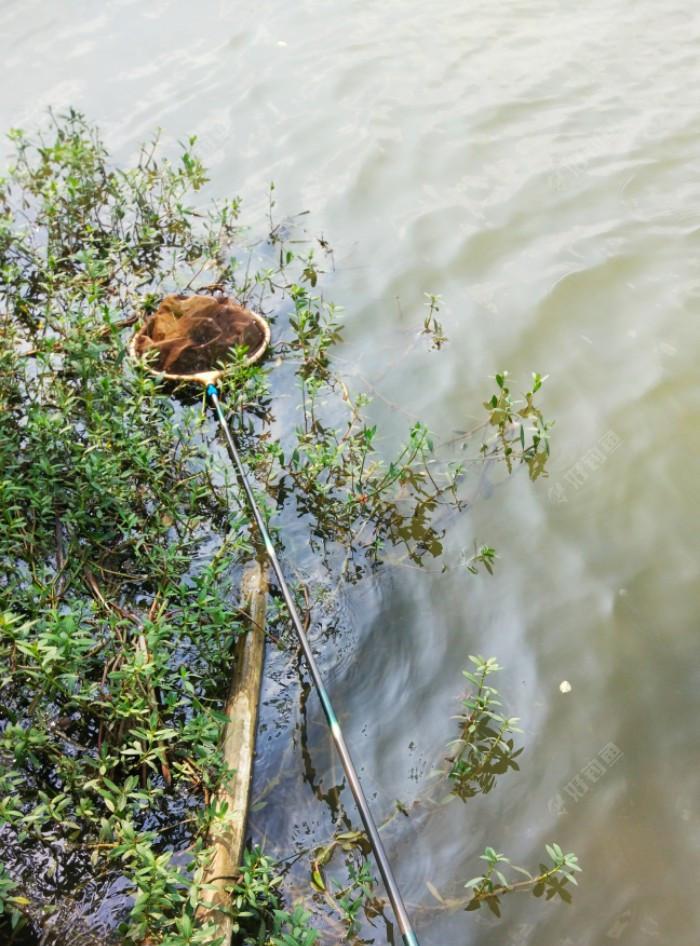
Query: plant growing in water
{"x":551,"y":880}
{"x":508,"y":416}
{"x":484,"y":750}
{"x":431,"y":326}
{"x":485,"y":747}
{"x":115,"y":636}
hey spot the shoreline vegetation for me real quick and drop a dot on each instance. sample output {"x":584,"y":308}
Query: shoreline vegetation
{"x":116,"y":635}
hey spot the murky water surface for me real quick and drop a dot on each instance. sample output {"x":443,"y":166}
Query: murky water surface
{"x":536,"y":163}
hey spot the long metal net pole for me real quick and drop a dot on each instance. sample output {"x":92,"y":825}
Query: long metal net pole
{"x":392,"y":888}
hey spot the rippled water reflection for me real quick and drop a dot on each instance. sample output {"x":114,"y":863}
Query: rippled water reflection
{"x":538,"y":166}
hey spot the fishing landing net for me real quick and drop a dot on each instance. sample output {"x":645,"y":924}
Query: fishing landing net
{"x":189,"y":338}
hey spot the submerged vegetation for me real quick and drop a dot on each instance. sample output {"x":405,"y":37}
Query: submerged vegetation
{"x":116,"y":632}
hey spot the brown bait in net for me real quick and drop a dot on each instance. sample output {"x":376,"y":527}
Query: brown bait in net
{"x":190,"y":335}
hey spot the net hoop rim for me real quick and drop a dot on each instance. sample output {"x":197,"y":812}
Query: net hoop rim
{"x":201,"y":377}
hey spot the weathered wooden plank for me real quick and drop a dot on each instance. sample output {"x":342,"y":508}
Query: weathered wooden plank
{"x":227,"y":834}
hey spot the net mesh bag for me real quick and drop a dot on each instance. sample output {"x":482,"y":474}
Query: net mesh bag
{"x":191,"y":336}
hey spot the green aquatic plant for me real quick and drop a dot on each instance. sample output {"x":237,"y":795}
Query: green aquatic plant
{"x":485,"y":750}
{"x":431,"y":326}
{"x":292,"y":929}
{"x":550,"y":881}
{"x":485,"y":747}
{"x":355,"y":895}
{"x":257,"y":915}
{"x":508,"y":417}
{"x":11,"y":902}
{"x":116,"y":629}
{"x":357,"y":892}
{"x":485,"y":556}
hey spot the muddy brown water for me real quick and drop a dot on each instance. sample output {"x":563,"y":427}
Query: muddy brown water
{"x":537,"y":164}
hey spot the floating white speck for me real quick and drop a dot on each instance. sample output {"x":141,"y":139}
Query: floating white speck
{"x":281,"y":42}
{"x":565,"y":686}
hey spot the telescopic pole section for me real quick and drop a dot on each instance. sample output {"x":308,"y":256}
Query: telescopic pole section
{"x":392,"y":888}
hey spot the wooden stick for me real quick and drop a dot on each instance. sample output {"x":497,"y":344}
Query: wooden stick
{"x":228,"y":832}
